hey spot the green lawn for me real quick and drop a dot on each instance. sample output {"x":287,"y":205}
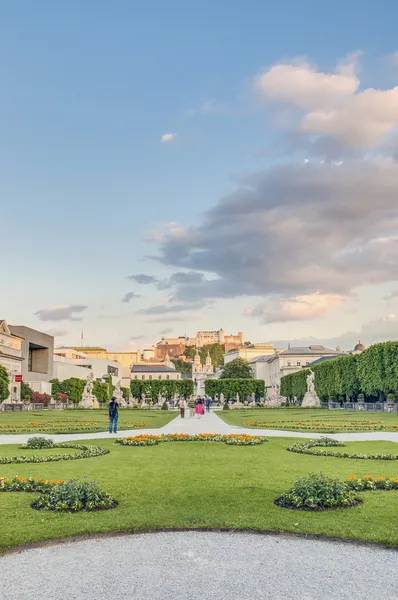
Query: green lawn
{"x":81,"y":421}
{"x":204,"y":485}
{"x":304,"y":419}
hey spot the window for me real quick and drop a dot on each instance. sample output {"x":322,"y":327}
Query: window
{"x":143,"y":377}
{"x":135,"y":377}
{"x":160,"y":377}
{"x":167,"y":376}
{"x":150,"y":377}
{"x":30,"y":359}
{"x":307,"y":363}
{"x":288,"y":364}
{"x":298,"y":363}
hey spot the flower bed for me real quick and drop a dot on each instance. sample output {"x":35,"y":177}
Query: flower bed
{"x":231,"y":439}
{"x":60,"y":495}
{"x":313,"y":447}
{"x":85,"y":452}
{"x":325,"y":427}
{"x":317,"y":492}
{"x":65,"y":426}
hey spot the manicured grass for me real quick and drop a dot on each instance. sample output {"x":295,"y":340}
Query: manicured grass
{"x":320,"y":420}
{"x":204,"y":485}
{"x":81,"y":421}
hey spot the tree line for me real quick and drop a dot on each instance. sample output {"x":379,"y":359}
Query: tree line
{"x":165,"y":388}
{"x":373,"y":373}
{"x":229,"y":388}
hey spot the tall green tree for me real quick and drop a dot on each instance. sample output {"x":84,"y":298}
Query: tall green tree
{"x":216,"y":352}
{"x":4,"y":383}
{"x":238,"y":368}
{"x":26,"y":391}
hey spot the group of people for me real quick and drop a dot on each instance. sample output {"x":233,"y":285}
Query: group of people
{"x":197,"y":407}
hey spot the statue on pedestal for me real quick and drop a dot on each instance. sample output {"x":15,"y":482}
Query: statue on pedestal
{"x":88,"y":399}
{"x":311,"y":399}
{"x":118,"y":394}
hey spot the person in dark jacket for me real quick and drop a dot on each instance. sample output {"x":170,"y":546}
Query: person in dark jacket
{"x":113,"y":415}
{"x":208,"y":404}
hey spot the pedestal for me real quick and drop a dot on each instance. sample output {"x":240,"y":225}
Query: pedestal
{"x":89,"y":401}
{"x":311,"y":400}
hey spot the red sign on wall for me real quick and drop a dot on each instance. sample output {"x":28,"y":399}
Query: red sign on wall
{"x":18,"y":378}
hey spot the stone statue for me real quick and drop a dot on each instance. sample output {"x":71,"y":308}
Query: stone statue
{"x":88,"y":399}
{"x":311,"y":399}
{"x":311,"y":382}
{"x":118,"y":394}
{"x":88,"y":389}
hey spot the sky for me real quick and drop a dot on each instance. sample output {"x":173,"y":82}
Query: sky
{"x":172,"y":167}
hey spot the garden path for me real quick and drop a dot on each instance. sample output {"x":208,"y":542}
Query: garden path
{"x":208,"y":423}
{"x":197,"y":565}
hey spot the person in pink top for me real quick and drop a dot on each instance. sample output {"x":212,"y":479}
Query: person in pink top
{"x":199,"y":410}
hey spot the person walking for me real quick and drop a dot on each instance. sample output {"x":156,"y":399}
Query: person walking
{"x":199,"y":408}
{"x":191,"y":404}
{"x":183,"y":406}
{"x":113,"y":415}
{"x":208,"y":404}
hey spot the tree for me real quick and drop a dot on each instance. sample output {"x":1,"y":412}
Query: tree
{"x":377,"y":369}
{"x":216,"y":352}
{"x":125,"y":393}
{"x":186,"y":387}
{"x":238,"y":368}
{"x":4,"y":383}
{"x":74,"y":388}
{"x":182,"y":366}
{"x":295,"y":384}
{"x":26,"y":391}
{"x":190,"y":352}
{"x":100,"y":391}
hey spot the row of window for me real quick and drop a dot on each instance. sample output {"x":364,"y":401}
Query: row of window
{"x":150,"y":377}
{"x":289,"y":364}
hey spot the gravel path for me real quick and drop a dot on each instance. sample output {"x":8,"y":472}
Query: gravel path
{"x":200,"y":566}
{"x":209,"y":423}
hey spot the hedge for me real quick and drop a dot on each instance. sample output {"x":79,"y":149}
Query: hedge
{"x":373,"y":373}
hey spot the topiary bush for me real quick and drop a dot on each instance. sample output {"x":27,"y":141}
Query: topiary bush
{"x":165,"y":406}
{"x":318,"y":492}
{"x":36,"y":443}
{"x":74,"y":496}
{"x":226,"y":406}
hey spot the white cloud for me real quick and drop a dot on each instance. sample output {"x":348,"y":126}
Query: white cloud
{"x":332,"y":104}
{"x":299,"y":308}
{"x":168,"y":137}
{"x":63,"y":312}
{"x":391,"y":296}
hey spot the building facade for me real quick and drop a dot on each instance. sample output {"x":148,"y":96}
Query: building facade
{"x":37,"y":354}
{"x":163,"y":372}
{"x":294,"y":359}
{"x":125,"y":359}
{"x":69,"y":363}
{"x":250,"y":352}
{"x":11,"y":358}
{"x":201,"y":372}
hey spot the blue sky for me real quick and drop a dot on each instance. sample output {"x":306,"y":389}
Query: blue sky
{"x":86,"y":184}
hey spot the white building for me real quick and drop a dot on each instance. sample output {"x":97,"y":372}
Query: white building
{"x":11,"y":359}
{"x":148,"y":372}
{"x":292,"y":360}
{"x":71,"y":363}
{"x":250,"y":352}
{"x":201,"y":372}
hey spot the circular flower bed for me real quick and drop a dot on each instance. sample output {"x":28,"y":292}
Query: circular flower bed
{"x":313,"y":447}
{"x":85,"y":452}
{"x":60,"y":495}
{"x":317,"y":492}
{"x":235,"y":439}
{"x":325,"y":426}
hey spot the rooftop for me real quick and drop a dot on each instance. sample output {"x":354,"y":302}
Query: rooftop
{"x":152,"y":369}
{"x":318,"y":361}
{"x":312,"y":350}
